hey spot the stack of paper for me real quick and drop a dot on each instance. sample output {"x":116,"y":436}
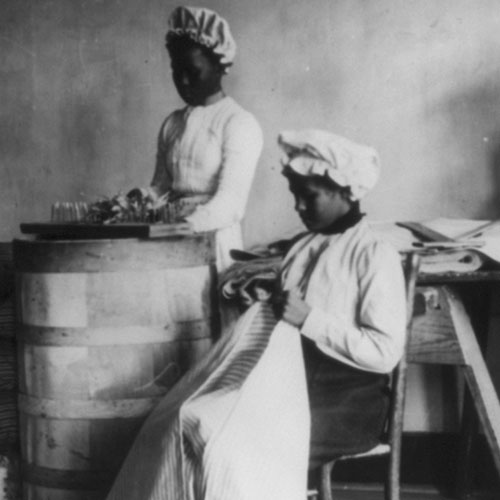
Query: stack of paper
{"x":466,"y":244}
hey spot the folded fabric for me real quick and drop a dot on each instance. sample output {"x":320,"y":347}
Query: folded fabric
{"x":441,"y":260}
{"x":252,"y":277}
{"x":247,"y":282}
{"x":452,"y":261}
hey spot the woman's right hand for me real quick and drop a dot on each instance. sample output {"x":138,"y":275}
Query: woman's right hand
{"x":289,"y":306}
{"x":277,"y":301}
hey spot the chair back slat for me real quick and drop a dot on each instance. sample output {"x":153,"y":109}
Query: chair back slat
{"x":411,"y":266}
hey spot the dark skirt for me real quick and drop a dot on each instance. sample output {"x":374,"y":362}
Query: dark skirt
{"x":348,"y":406}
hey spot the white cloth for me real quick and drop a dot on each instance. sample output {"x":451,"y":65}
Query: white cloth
{"x":205,"y":27}
{"x":355,"y":286}
{"x":317,"y":152}
{"x":211,"y":150}
{"x":236,"y":427}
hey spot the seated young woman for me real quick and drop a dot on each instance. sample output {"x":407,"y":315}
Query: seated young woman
{"x":301,"y":379}
{"x":343,"y":290}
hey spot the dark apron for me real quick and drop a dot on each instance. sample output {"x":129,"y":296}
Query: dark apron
{"x":348,"y":406}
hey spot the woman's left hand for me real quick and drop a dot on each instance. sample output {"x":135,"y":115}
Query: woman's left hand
{"x":183,"y":227}
{"x":295,"y":310}
{"x":179,"y":228}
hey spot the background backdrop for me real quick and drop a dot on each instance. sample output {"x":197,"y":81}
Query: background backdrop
{"x":85,"y":85}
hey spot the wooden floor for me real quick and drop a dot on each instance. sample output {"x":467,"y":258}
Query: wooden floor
{"x":428,"y":472}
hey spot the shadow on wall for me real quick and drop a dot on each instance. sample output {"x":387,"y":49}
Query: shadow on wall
{"x":80,"y":127}
{"x":100,"y":150}
{"x":474,"y":157}
{"x":494,"y":202}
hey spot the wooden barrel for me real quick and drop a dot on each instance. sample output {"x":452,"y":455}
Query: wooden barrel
{"x":105,"y":328}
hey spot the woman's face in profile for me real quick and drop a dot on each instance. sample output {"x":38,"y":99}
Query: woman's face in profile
{"x":317,"y":204}
{"x":196,"y":76}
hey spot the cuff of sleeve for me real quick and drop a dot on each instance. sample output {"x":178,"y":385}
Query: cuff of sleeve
{"x":199,"y":220}
{"x":204,"y":220}
{"x":313,"y":324}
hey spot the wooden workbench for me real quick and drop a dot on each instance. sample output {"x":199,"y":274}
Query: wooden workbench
{"x":464,"y":300}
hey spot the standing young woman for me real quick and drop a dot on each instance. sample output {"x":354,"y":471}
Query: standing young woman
{"x":208,"y":150}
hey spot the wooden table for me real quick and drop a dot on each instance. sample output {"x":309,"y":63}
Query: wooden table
{"x":465,"y":298}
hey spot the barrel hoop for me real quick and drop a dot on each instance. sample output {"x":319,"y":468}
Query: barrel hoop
{"x":115,"y":335}
{"x":66,"y":479}
{"x":97,"y":256}
{"x":86,"y":409}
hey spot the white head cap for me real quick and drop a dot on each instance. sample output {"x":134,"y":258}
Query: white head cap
{"x":206,"y":27}
{"x":317,"y":152}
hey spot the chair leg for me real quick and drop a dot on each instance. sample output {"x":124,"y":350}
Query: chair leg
{"x":325,"y":486}
{"x":393,"y":486}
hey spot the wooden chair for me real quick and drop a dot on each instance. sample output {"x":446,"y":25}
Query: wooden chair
{"x":395,"y":424}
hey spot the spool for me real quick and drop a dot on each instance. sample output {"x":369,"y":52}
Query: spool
{"x":106,"y":327}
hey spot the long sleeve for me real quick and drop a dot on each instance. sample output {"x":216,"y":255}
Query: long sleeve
{"x":241,"y":148}
{"x":162,"y":176}
{"x":161,"y":181}
{"x":374,"y":341}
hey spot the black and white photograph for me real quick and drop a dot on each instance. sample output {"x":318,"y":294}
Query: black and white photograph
{"x":249,"y":250}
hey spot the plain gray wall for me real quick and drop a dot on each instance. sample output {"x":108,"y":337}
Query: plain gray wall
{"x":86,"y":85}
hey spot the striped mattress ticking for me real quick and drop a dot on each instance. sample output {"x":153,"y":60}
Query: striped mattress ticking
{"x":235,"y":427}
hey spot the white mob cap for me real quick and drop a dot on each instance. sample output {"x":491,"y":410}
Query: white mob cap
{"x":317,"y":152}
{"x":206,"y":27}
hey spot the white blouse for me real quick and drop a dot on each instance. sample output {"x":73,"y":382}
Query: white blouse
{"x":209,"y":150}
{"x":355,"y":286}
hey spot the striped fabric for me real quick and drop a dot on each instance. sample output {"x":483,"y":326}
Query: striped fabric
{"x":7,"y":317}
{"x":8,"y":365}
{"x":9,"y":432}
{"x":236,"y":427}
